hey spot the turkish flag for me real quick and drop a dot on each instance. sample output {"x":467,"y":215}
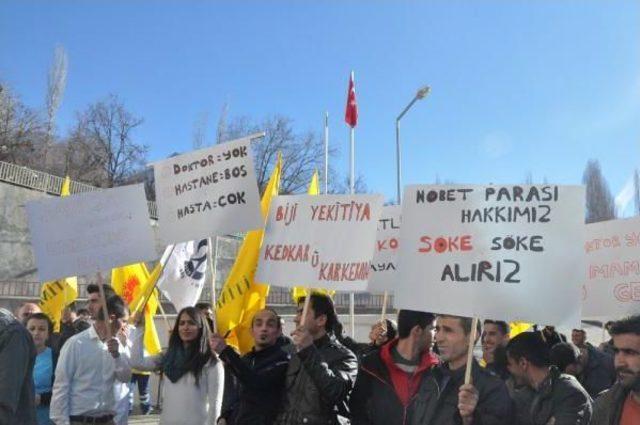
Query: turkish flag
{"x":351,"y":113}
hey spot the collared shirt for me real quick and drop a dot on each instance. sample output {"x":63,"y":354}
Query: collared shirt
{"x":85,"y":377}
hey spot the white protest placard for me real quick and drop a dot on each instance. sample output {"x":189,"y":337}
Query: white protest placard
{"x":384,"y":266}
{"x":321,"y":241}
{"x":90,"y":232}
{"x":612,"y":285}
{"x":207,"y":192}
{"x":493,"y":252}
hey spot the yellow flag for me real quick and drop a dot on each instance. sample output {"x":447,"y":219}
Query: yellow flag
{"x":133,"y":283}
{"x":241,"y":297}
{"x":518,"y":327}
{"x":56,"y":295}
{"x":300,"y":291}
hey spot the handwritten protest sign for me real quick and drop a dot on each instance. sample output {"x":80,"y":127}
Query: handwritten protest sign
{"x":89,"y":232}
{"x":612,"y":285}
{"x":323,"y":241}
{"x":384,"y":266}
{"x":207,"y":192}
{"x":494,"y":252}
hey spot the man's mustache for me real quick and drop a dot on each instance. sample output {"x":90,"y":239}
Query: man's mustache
{"x":626,"y":370}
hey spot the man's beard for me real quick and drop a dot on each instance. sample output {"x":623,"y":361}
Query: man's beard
{"x":627,"y":382}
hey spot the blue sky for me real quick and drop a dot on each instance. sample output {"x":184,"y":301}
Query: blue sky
{"x":517,"y":86}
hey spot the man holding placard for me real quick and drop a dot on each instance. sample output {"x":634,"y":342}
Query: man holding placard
{"x":87,"y":370}
{"x":444,"y":399}
{"x":322,"y":372}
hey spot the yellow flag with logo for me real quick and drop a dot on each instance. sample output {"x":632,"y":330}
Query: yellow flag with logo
{"x":300,"y":291}
{"x":241,"y":297}
{"x":133,"y":283}
{"x":56,"y":295}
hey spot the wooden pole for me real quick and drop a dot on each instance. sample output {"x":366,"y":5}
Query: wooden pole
{"x":472,"y":342}
{"x":385,"y":299}
{"x":103,"y":301}
{"x":305,"y":308}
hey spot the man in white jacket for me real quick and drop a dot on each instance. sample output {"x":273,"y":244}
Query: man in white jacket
{"x":88,"y":367}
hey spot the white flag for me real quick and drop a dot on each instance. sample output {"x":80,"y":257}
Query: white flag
{"x":183,"y":275}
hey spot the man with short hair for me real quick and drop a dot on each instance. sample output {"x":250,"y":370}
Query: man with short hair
{"x":260,"y":372}
{"x":445,"y":399}
{"x":621,"y":404}
{"x":26,"y":310}
{"x":389,"y":379}
{"x":322,"y":371}
{"x":17,"y":358}
{"x":88,"y":366}
{"x":558,"y":399}
{"x":495,"y":337}
{"x":566,"y":357}
{"x":597,"y":370}
{"x":94,"y":304}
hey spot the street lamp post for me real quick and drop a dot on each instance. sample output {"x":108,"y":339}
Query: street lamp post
{"x":421,"y":94}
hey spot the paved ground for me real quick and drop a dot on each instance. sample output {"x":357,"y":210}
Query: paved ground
{"x":144,"y":420}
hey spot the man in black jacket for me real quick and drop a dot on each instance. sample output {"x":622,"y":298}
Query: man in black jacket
{"x":557,"y":398}
{"x":321,"y":373}
{"x":444,"y":398}
{"x":621,"y":404}
{"x":388,"y":379}
{"x":260,"y":372}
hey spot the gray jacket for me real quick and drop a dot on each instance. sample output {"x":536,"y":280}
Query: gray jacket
{"x":560,"y":397}
{"x":608,"y":407}
{"x":17,"y":357}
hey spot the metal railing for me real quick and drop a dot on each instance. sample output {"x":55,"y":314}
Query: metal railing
{"x":48,"y":183}
{"x":278,"y":296}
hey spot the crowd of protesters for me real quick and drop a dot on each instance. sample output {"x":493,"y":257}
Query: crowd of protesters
{"x":411,"y":371}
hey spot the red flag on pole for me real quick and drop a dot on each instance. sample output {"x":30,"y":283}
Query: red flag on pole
{"x":351,"y":113}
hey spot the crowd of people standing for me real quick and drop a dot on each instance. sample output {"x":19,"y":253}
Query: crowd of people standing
{"x":411,"y":371}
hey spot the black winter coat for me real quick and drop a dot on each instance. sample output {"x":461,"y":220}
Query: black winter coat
{"x":437,"y":402}
{"x":318,"y":383}
{"x":260,"y":375}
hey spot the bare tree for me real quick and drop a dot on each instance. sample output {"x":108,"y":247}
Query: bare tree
{"x":56,"y":83}
{"x":302,"y":154}
{"x":102,"y":146}
{"x":200,"y":130}
{"x":528,"y":179}
{"x":221,"y":131}
{"x":21,"y":130}
{"x":600,"y":202}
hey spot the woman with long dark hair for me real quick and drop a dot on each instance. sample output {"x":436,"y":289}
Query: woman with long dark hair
{"x":192,"y":392}
{"x":40,"y":327}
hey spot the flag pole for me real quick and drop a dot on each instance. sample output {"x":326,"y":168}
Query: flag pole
{"x":213,"y":268}
{"x":105,"y":311}
{"x":352,"y":313}
{"x":326,"y":152}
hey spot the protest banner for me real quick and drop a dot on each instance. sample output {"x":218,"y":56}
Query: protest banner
{"x":384,"y":266}
{"x":323,"y":241}
{"x":612,"y":282}
{"x":89,"y":232}
{"x":493,"y":252}
{"x":207,"y":192}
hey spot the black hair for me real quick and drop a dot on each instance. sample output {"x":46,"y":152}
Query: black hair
{"x":408,"y":319}
{"x":197,"y":353}
{"x":275,"y":313}
{"x":93,"y":288}
{"x":503,"y":327}
{"x":564,"y":354}
{"x":322,"y":304}
{"x":392,"y":329}
{"x":628,"y":325}
{"x":580,"y":330}
{"x":530,"y":346}
{"x":71,"y":307}
{"x":83,"y":311}
{"x":203,"y":306}
{"x":41,"y":316}
{"x":466,"y":323}
{"x":115,"y":307}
